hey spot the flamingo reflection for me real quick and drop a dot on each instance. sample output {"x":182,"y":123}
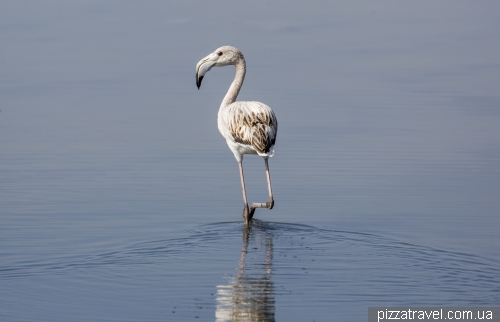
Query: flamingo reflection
{"x":249,"y":296}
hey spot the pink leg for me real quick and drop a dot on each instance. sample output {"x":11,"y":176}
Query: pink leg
{"x":270,"y":203}
{"x":247,"y":214}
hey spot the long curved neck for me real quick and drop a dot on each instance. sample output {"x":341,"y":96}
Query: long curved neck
{"x":235,"y":87}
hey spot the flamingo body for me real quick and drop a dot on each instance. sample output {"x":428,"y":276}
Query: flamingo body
{"x":249,"y":128}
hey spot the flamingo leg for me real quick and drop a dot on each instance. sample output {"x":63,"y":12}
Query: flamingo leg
{"x":247,"y":213}
{"x":270,"y":203}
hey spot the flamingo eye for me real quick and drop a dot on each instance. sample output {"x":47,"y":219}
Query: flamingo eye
{"x":219,"y":53}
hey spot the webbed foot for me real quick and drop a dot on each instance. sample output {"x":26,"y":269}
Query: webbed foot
{"x":248,"y":214}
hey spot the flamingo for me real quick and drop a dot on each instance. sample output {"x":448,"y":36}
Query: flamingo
{"x":249,"y":127}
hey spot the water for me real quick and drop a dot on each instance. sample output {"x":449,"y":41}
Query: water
{"x":269,"y":270}
{"x":119,"y":200}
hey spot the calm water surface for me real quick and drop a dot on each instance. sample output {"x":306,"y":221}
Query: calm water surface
{"x":120,"y":201}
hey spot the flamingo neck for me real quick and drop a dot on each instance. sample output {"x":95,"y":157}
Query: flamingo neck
{"x":235,"y":87}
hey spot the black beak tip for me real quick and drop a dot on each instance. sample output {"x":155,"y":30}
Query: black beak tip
{"x":198,"y":81}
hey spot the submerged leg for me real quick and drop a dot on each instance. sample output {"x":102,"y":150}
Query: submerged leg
{"x":247,"y":213}
{"x":270,"y":203}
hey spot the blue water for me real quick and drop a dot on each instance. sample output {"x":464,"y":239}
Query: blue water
{"x":120,"y":201}
{"x":268,"y":270}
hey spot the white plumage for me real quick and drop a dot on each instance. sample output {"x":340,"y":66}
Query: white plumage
{"x":248,"y":127}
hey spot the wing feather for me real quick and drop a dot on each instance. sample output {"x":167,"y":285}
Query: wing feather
{"x":252,"y":123}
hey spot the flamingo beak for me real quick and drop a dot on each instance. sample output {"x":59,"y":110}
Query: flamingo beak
{"x":204,"y":66}
{"x":198,"y":80}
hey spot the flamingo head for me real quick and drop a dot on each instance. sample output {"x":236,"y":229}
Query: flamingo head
{"x":223,"y":56}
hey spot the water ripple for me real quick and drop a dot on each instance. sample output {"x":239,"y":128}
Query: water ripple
{"x":305,"y":263}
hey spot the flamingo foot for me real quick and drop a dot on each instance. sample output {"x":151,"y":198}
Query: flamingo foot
{"x":248,"y":214}
{"x":269,"y":205}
